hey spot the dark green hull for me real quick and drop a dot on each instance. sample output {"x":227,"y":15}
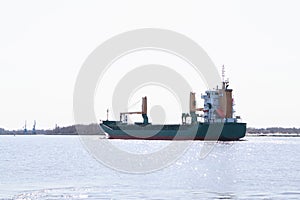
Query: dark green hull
{"x":198,"y":131}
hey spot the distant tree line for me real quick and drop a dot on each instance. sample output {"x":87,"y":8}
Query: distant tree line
{"x":91,"y":129}
{"x":273,"y":130}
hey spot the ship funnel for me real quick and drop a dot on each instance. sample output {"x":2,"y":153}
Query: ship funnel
{"x":226,"y":101}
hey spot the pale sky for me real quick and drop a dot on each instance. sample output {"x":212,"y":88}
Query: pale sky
{"x":43,"y":45}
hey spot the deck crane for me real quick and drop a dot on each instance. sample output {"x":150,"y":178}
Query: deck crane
{"x":143,"y":112}
{"x":193,"y":108}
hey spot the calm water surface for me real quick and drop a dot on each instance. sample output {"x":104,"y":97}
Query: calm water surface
{"x":59,"y":167}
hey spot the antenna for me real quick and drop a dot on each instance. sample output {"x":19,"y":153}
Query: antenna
{"x":223,"y":73}
{"x":107,"y":114}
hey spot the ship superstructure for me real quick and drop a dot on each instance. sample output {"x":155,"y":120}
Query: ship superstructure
{"x":218,"y":105}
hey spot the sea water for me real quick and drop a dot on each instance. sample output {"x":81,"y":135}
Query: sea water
{"x":60,"y":167}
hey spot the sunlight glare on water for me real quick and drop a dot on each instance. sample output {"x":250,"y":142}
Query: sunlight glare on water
{"x":59,"y":167}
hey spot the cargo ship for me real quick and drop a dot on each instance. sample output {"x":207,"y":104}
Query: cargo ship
{"x":218,"y":121}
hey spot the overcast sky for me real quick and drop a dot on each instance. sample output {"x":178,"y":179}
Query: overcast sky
{"x":43,"y":45}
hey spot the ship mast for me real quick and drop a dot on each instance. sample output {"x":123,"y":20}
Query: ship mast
{"x":107,"y":111}
{"x":223,"y":73}
{"x":224,"y":82}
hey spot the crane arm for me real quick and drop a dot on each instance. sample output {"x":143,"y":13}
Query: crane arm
{"x":129,"y":113}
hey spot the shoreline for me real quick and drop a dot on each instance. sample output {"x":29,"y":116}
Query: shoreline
{"x":103,"y":135}
{"x":94,"y":129}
